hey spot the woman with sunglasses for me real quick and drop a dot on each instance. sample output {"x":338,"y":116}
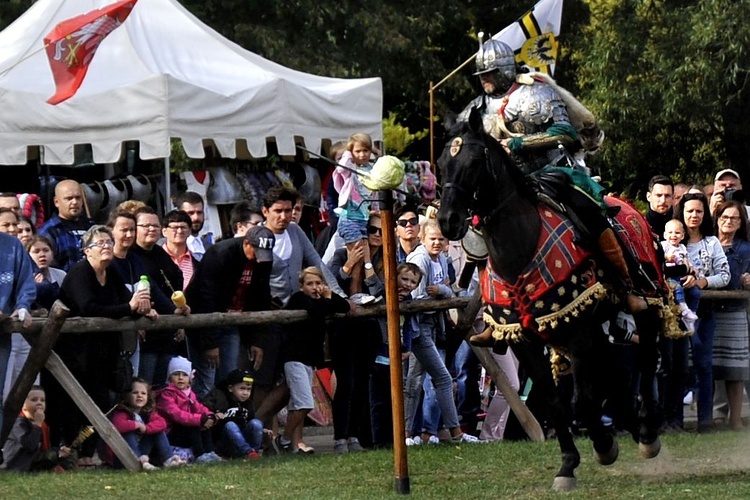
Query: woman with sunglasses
{"x":711,"y":271}
{"x":730,"y":353}
{"x":355,"y":342}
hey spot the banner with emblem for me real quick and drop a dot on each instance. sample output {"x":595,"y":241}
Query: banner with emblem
{"x":72,"y":44}
{"x":533,"y":36}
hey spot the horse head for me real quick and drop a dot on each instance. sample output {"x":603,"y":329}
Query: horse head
{"x":474,"y":169}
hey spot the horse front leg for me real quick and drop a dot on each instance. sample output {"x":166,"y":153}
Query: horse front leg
{"x":532,"y":357}
{"x":588,"y":348}
{"x":650,"y":415}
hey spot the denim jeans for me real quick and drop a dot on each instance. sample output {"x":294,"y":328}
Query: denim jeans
{"x":145,"y":444}
{"x":203,"y":381}
{"x":430,"y":406}
{"x":241,"y":440}
{"x":424,"y":350}
{"x":229,"y":352}
{"x":5,"y":346}
{"x":703,"y":345}
{"x":468,"y":369}
{"x":413,"y":395}
{"x":153,"y":367}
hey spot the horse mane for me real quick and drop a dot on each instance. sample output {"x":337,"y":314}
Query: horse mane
{"x":521,"y":180}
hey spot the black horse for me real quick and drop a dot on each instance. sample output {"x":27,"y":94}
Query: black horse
{"x":542,"y":289}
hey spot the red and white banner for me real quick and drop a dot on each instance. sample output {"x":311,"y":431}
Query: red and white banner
{"x":71,"y":45}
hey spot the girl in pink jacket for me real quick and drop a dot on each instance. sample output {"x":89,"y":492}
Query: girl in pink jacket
{"x":188,"y":420}
{"x":142,"y":428}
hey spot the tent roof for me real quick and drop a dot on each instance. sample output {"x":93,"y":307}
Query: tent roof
{"x":164,"y":74}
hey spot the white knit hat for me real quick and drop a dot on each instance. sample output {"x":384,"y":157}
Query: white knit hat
{"x":179,"y":364}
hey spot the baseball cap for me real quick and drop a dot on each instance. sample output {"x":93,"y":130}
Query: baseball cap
{"x":238,"y":376}
{"x":724,"y":172}
{"x":263,"y":240}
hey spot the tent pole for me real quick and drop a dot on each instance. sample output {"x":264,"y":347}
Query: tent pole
{"x":167,"y":188}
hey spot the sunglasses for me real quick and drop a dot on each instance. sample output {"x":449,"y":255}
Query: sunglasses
{"x":374,"y":230}
{"x":408,"y":222}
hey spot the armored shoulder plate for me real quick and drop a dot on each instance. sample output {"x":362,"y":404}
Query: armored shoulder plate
{"x":535,"y":107}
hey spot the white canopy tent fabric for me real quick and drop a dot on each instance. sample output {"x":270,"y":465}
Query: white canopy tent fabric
{"x":164,"y":74}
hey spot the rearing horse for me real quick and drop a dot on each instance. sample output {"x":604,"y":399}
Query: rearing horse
{"x":542,"y":288}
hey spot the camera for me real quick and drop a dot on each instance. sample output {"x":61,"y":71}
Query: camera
{"x":732,"y":194}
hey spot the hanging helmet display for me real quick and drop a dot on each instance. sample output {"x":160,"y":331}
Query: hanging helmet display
{"x":496,"y":55}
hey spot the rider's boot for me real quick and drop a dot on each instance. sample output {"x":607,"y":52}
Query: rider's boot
{"x":484,"y":339}
{"x":612,"y":251}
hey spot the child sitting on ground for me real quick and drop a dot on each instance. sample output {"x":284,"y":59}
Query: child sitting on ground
{"x":239,"y":433}
{"x":677,"y":266}
{"x":28,"y":446}
{"x":303,"y":351}
{"x":136,"y":418}
{"x":188,"y":421}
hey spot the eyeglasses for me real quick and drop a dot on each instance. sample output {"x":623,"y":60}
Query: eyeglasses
{"x":149,"y":227}
{"x":101,"y":244}
{"x":178,"y":229}
{"x":408,"y":222}
{"x":374,"y":230}
{"x":729,"y":218}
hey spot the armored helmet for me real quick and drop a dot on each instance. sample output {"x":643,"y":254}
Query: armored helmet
{"x":495,"y":55}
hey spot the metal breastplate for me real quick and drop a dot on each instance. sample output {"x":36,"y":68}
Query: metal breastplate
{"x":533,"y":108}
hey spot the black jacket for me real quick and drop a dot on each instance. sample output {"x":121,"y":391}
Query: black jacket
{"x":215,"y":283}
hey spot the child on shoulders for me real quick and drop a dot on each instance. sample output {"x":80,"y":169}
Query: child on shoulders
{"x":188,"y":421}
{"x":239,"y":433}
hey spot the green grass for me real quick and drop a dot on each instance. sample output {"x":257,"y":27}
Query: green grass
{"x":690,"y":466}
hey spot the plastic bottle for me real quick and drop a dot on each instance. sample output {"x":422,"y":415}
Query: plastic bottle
{"x":143,"y":284}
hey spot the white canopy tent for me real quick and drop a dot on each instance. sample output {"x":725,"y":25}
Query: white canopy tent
{"x":164,"y":74}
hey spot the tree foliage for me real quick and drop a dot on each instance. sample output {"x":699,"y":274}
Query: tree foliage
{"x":667,"y":78}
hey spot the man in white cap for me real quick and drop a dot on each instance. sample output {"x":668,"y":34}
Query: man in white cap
{"x":727,"y":186}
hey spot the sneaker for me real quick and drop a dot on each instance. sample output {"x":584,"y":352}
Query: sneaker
{"x":413,"y":441}
{"x":354,"y":445}
{"x":282,"y":447}
{"x":466,"y":438}
{"x":147,"y":466}
{"x":303,"y":448}
{"x":433,"y":440}
{"x":252,"y":455}
{"x":340,"y":446}
{"x":688,"y":399}
{"x":174,"y":461}
{"x":208,"y":458}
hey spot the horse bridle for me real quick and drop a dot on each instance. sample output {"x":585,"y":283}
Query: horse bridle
{"x":473,"y":195}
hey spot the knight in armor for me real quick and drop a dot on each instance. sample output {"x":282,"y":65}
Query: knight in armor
{"x":548,"y":133}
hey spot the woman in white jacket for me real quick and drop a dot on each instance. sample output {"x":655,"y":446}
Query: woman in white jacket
{"x":711,"y":271}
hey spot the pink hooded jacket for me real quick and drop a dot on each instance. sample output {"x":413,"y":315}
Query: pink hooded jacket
{"x":177,"y":408}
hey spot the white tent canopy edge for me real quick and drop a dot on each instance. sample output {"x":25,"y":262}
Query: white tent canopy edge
{"x":152,"y":81}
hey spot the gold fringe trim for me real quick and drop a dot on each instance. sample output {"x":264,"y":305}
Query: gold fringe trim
{"x":513,"y":332}
{"x":510,"y":333}
{"x":572,"y":310}
{"x":670,"y":314}
{"x":559,"y":359}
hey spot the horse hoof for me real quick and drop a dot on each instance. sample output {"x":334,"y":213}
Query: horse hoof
{"x":562,"y":483}
{"x":609,"y":457}
{"x":649,"y":450}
